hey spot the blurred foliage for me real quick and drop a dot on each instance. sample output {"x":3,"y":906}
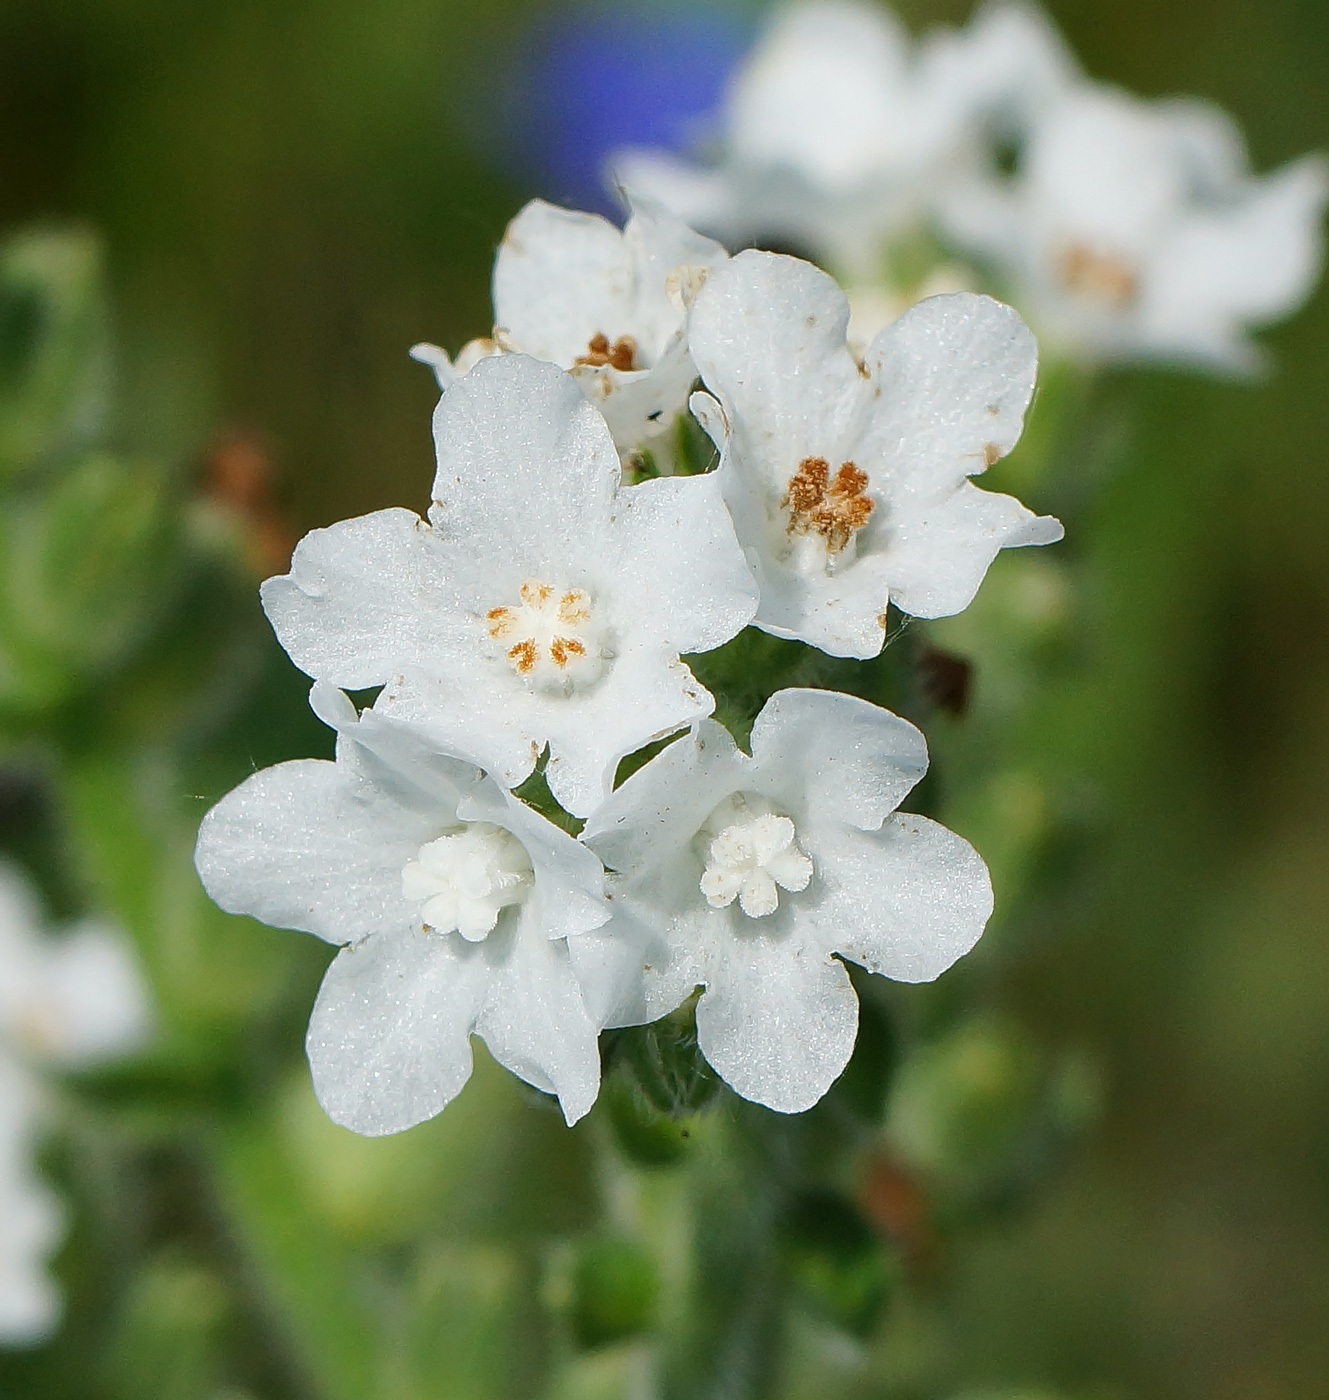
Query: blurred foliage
{"x":289,"y":195}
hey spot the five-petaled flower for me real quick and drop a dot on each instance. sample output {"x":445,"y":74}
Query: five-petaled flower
{"x":542,"y":603}
{"x":848,"y":480}
{"x":454,"y":903}
{"x":746,"y":875}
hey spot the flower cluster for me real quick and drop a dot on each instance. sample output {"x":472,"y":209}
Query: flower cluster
{"x":65,"y":1003}
{"x":534,"y":625}
{"x":1123,"y":228}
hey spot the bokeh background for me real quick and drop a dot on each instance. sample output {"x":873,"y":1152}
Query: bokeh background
{"x":290,"y":194}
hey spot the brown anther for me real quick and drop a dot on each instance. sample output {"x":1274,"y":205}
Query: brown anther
{"x":499,"y":620}
{"x":1100,"y":277}
{"x":535,"y":595}
{"x":622,"y":354}
{"x":833,"y":507}
{"x":523,"y":656}
{"x":574,"y":608}
{"x":561,"y":648}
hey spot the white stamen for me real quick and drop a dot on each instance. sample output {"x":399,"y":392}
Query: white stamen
{"x":751,"y":850}
{"x":465,"y":879}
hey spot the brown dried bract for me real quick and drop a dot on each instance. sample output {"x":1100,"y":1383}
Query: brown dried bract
{"x":622,"y":354}
{"x":1101,"y":277}
{"x":833,"y":507}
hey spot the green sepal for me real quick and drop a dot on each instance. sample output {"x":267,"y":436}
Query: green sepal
{"x":665,"y":1062}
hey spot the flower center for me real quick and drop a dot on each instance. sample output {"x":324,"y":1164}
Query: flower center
{"x":465,"y":879}
{"x":825,"y":508}
{"x":750,"y":850}
{"x":549,"y":638}
{"x":1102,"y":278}
{"x":622,"y":354}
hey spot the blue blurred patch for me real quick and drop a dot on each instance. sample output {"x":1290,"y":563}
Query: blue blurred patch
{"x":585,"y":80}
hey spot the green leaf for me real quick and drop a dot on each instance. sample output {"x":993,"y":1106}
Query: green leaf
{"x":55,"y":363}
{"x":85,"y":569}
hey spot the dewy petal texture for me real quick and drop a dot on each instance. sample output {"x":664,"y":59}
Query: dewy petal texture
{"x":356,"y":852}
{"x":541,"y":604}
{"x":897,"y":893}
{"x":847,"y":482}
{"x":608,"y":305}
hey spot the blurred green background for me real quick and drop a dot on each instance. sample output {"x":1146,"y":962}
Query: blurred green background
{"x":292,"y":192}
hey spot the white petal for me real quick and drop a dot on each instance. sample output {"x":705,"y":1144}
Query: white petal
{"x":906,"y":901}
{"x":560,"y":278}
{"x":527,"y":470}
{"x":953,"y":377}
{"x":778,"y":1018}
{"x":940,"y":552}
{"x":822,"y":93}
{"x":97,"y":995}
{"x":611,"y":964}
{"x":367,"y":599}
{"x":768,"y":336}
{"x":662,"y":806}
{"x":534,"y":1020}
{"x":568,"y":898}
{"x":1250,"y":264}
{"x":698,"y":196}
{"x":436,"y":359}
{"x":389,"y":1036}
{"x":827,"y":757}
{"x":681,"y":566}
{"x":311,"y":845}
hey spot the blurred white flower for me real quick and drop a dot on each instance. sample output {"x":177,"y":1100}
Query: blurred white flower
{"x":1133,"y":229}
{"x":66,"y":1002}
{"x":839,"y":130}
{"x":541,"y":604}
{"x":746,"y":875}
{"x":848,"y":480}
{"x":827,"y":129}
{"x":607,"y":305}
{"x":454,"y":901}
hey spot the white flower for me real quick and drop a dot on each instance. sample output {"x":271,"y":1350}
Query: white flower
{"x":847,"y":480}
{"x":31,"y":1221}
{"x":541,"y":604}
{"x":1133,"y":229}
{"x":752,"y":872}
{"x":997,"y":73}
{"x":65,"y":1003}
{"x":455,"y":903}
{"x":827,"y":130}
{"x":607,"y":305}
